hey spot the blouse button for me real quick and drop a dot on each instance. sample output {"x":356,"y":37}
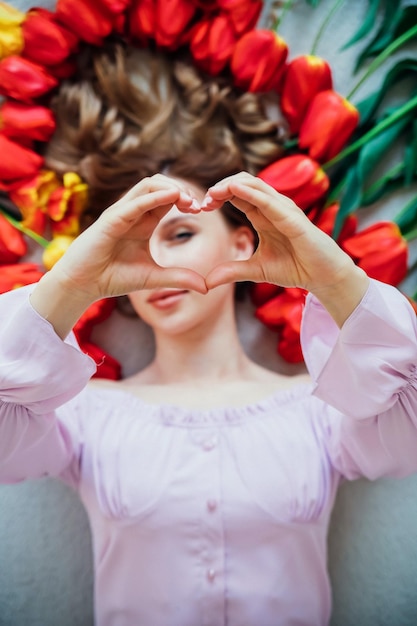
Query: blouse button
{"x":210,"y":443}
{"x":212,"y":504}
{"x":211,"y":575}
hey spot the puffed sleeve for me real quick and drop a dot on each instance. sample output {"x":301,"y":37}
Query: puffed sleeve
{"x":40,"y":375}
{"x":365,"y":374}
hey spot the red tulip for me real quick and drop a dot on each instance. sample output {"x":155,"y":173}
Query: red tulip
{"x":14,"y":276}
{"x":63,"y":70}
{"x":12,"y":243}
{"x":20,"y":162}
{"x":243,"y":14}
{"x":298,"y":177}
{"x":327,"y":218}
{"x":212,"y":43}
{"x":115,"y":6}
{"x":305,"y":76}
{"x":90,"y":20}
{"x":381,"y":251}
{"x":107,"y":366}
{"x":23,"y":80}
{"x":329,"y":123}
{"x":31,"y":196}
{"x":262,"y":292}
{"x":283,"y":313}
{"x":46,"y":41}
{"x":25,"y":120}
{"x":66,"y":204}
{"x":258,"y":61}
{"x":166,"y":22}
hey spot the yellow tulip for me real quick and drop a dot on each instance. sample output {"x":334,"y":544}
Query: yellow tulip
{"x":55,"y":250}
{"x":11,"y":34}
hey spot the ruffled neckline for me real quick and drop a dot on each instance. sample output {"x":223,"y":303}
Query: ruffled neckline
{"x":178,"y":415}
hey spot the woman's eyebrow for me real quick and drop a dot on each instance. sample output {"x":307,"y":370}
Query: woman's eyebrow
{"x":180,"y":218}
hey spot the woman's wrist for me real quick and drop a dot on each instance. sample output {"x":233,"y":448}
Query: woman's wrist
{"x":58,"y":304}
{"x":341,"y":297}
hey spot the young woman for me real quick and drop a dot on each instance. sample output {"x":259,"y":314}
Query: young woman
{"x":208,"y":481}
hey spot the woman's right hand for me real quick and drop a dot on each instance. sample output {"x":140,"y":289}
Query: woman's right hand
{"x":112,"y":256}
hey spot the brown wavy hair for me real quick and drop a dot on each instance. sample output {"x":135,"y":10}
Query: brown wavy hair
{"x":130,"y":113}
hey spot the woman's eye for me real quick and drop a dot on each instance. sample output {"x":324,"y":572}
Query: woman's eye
{"x":182,"y":235}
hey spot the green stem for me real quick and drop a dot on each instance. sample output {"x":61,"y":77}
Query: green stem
{"x":291,"y":143}
{"x":411,"y":235}
{"x":26,"y":231}
{"x":288,"y":4}
{"x":385,"y":123}
{"x":324,"y":25}
{"x":382,"y":57}
{"x":396,"y":169}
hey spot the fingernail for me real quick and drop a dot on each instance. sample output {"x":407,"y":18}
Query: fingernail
{"x":207,"y":200}
{"x":195,"y":204}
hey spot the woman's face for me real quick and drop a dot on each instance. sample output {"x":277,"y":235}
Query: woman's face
{"x":195,"y":241}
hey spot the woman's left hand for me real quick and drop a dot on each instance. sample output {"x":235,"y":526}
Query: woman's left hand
{"x":292,"y":251}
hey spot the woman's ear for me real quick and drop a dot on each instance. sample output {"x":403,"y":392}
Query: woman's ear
{"x":244,"y":243}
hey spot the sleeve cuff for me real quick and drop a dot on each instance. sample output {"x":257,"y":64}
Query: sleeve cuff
{"x":37,"y":368}
{"x":360,"y":368}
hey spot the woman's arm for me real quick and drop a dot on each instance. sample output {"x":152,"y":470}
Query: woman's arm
{"x":39,"y":376}
{"x":366,"y":373}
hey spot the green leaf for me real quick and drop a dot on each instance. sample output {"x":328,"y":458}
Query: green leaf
{"x":407,"y":218}
{"x":396,"y":22}
{"x":350,"y":201}
{"x":403,"y":69}
{"x":369,"y":157}
{"x":313,"y":3}
{"x":366,"y":26}
{"x":411,"y":155}
{"x":385,"y":185}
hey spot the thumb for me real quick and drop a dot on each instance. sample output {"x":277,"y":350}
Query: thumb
{"x":176,"y":278}
{"x":232,"y":272}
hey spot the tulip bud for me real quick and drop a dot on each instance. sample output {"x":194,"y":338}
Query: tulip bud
{"x":115,"y":6}
{"x":380,"y":250}
{"x":46,"y":41}
{"x":243,"y":14}
{"x":212,"y":43}
{"x":14,"y":276}
{"x":23,"y":120}
{"x":107,"y":366}
{"x":11,"y":36}
{"x":262,"y":292}
{"x":31,"y":196}
{"x":305,"y":76}
{"x":23,"y":80}
{"x":329,"y":123}
{"x":66,"y":204}
{"x":20,"y":162}
{"x":90,"y":20}
{"x":298,"y":177}
{"x":283,"y":313}
{"x":12,"y":243}
{"x":166,"y":22}
{"x":327,"y":219}
{"x":258,"y":61}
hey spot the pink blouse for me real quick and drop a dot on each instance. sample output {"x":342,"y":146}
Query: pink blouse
{"x":214,"y":517}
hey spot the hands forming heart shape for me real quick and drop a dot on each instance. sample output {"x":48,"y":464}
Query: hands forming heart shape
{"x":112,"y":257}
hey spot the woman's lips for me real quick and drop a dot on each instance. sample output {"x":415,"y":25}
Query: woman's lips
{"x":166,"y":298}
